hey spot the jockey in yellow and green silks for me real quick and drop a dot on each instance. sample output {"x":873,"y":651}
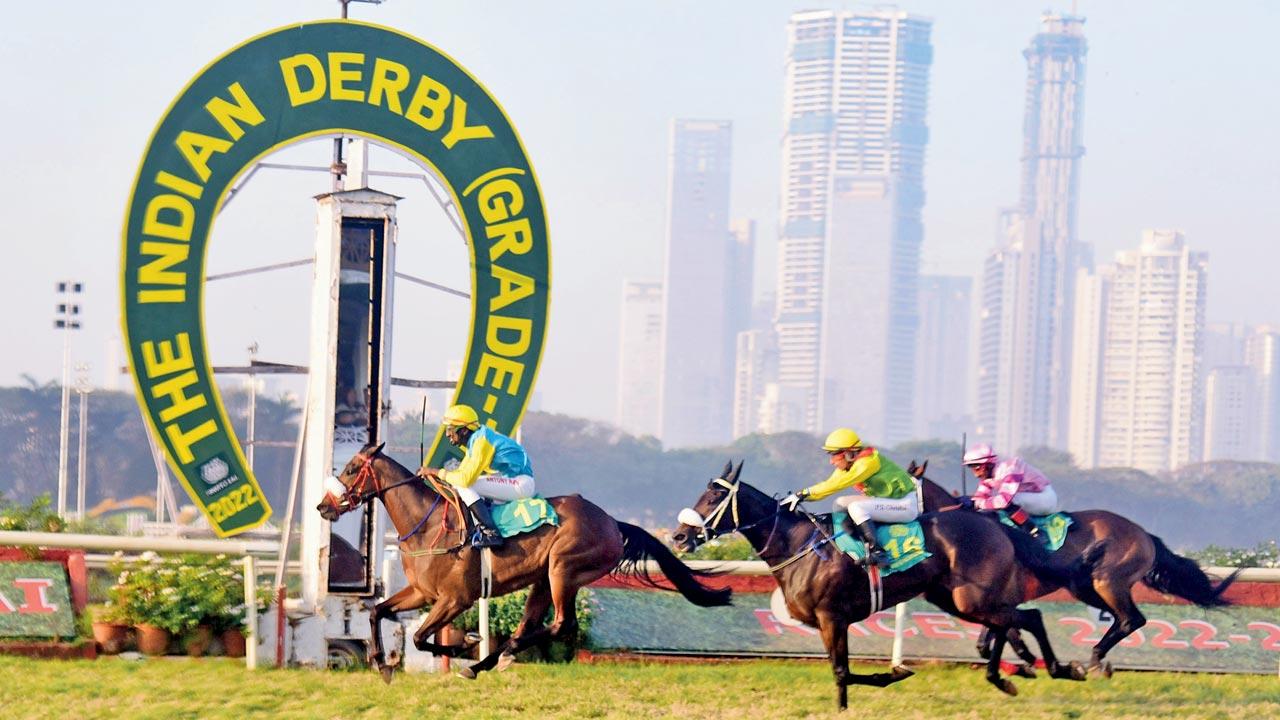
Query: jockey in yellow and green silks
{"x":493,"y":466}
{"x":883,"y":491}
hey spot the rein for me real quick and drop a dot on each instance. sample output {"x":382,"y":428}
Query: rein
{"x":358,"y":495}
{"x":730,"y":504}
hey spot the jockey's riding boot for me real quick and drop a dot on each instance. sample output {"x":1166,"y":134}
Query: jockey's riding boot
{"x":1022,"y":520}
{"x":487,"y":534}
{"x":875,"y":554}
{"x":849,"y":527}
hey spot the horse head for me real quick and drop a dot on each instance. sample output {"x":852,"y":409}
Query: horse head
{"x":725,"y":506}
{"x":353,"y":486}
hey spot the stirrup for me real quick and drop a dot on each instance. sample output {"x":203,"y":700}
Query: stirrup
{"x":482,"y":539}
{"x":876,"y":557}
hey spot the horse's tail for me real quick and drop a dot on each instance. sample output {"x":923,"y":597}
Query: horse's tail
{"x":638,"y":545}
{"x":1176,"y":575}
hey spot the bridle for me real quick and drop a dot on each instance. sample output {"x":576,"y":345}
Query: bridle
{"x":708,"y":529}
{"x":363,"y":489}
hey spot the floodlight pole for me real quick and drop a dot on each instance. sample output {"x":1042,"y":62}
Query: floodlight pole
{"x":66,"y":319}
{"x":64,"y":422}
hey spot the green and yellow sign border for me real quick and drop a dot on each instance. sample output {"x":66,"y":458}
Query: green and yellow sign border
{"x":294,"y":83}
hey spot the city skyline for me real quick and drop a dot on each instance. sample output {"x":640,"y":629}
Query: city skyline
{"x":955,"y":235}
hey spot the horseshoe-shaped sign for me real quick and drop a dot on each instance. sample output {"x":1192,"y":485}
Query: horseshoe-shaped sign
{"x":298,"y":82}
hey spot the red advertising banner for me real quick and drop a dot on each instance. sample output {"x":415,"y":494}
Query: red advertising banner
{"x":1176,"y":637}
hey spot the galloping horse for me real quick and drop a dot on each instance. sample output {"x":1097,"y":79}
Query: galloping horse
{"x":1120,"y":555}
{"x":977,"y":572}
{"x":554,"y":561}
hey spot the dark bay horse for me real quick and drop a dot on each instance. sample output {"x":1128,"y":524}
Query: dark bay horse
{"x":554,"y":561}
{"x":977,"y":572}
{"x":1125,"y":555}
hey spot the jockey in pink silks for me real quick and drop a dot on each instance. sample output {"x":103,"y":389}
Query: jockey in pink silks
{"x":1012,"y":485}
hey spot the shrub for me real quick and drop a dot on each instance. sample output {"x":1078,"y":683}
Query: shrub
{"x":179,"y":592}
{"x":506,"y":611}
{"x":1264,"y":555}
{"x":733,"y":547}
{"x":35,"y":517}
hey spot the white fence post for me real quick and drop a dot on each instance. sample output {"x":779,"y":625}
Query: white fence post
{"x":484,"y":627}
{"x":899,"y":616}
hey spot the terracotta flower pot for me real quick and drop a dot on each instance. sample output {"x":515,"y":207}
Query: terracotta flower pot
{"x":233,"y":643}
{"x":197,"y":640}
{"x":112,"y":638}
{"x":152,"y":640}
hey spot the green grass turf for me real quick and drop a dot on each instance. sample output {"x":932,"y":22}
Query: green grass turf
{"x":222,"y":688}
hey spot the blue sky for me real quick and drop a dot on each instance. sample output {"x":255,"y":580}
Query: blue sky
{"x":1180,"y":113}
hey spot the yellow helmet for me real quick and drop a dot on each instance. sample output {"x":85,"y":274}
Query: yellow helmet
{"x":463,"y":416}
{"x":841,"y":439}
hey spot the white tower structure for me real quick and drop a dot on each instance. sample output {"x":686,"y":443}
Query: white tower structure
{"x":348,"y":400}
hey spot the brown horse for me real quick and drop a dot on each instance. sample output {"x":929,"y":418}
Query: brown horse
{"x":977,"y":572}
{"x":1125,"y":555}
{"x":554,"y":561}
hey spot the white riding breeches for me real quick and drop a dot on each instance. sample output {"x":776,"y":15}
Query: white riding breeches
{"x":1044,"y":502}
{"x":497,"y":487}
{"x":862,"y":508}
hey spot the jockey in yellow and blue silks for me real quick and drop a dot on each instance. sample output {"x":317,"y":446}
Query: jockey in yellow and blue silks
{"x":884,"y":491}
{"x":493,"y":466}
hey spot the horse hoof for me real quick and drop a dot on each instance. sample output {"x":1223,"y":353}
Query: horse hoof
{"x":1005,"y":686}
{"x":1107,"y":670}
{"x":387,"y":672}
{"x":1078,"y":671}
{"x":505,"y":661}
{"x":900,"y":672}
{"x":467,"y":673}
{"x":1024,"y":670}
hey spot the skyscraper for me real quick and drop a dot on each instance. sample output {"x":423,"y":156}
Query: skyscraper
{"x":1150,"y":391}
{"x":639,"y":357}
{"x":695,"y":388}
{"x":1231,"y":413}
{"x":1034,"y":353}
{"x":753,"y":371}
{"x":942,"y":356}
{"x":1262,"y":354}
{"x":853,"y":188}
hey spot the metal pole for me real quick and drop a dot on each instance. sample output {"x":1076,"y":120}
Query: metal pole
{"x":253,"y":406}
{"x":293,"y":490}
{"x":251,"y":613}
{"x":82,"y":459}
{"x":64,"y":431}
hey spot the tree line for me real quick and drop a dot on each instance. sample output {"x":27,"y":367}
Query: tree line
{"x":1228,"y":504}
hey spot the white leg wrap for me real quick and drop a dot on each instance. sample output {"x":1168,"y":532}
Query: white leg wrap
{"x":1041,"y":503}
{"x":893,"y":510}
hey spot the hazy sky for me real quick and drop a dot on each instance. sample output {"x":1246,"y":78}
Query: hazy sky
{"x":1180,"y":116}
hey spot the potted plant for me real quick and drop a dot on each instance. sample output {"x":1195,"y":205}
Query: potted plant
{"x":147,"y":591}
{"x":112,"y":629}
